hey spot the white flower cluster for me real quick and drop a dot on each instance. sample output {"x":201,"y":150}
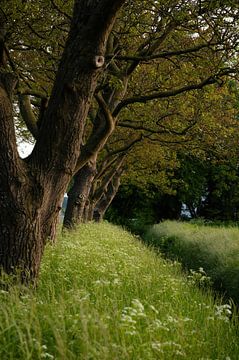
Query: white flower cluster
{"x":130,"y":316}
{"x":199,"y":278}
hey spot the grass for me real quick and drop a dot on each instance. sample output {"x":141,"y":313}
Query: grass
{"x":103,"y":295}
{"x":213,"y":248}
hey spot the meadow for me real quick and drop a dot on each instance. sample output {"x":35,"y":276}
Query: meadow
{"x":103,"y":294}
{"x":213,"y":249}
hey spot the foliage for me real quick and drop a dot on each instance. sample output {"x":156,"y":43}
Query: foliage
{"x":199,"y":170}
{"x":103,"y":295}
{"x":215,"y":249}
{"x":137,"y":208}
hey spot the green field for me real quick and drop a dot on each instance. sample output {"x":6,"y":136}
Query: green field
{"x":103,"y":295}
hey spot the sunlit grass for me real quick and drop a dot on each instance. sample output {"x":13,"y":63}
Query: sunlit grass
{"x":215,"y":249}
{"x":103,"y":295}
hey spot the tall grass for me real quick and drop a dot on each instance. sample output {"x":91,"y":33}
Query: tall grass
{"x":103,"y":295}
{"x":215,"y":249}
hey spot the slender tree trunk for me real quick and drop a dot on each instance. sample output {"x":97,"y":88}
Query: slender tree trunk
{"x":78,"y":195}
{"x":108,"y":196}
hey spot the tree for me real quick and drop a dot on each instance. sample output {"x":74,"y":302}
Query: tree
{"x":197,"y":167}
{"x":32,"y":189}
{"x":156,"y":52}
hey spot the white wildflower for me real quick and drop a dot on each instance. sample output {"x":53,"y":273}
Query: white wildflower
{"x":157,"y":346}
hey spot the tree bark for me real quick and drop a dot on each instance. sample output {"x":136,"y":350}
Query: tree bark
{"x":78,"y":195}
{"x":82,"y":180}
{"x":31,"y":190}
{"x":103,"y":204}
{"x":104,"y":189}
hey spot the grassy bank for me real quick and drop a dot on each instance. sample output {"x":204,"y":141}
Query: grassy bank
{"x":103,"y":295}
{"x":215,"y":249}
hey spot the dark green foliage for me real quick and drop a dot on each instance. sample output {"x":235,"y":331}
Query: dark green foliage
{"x":209,"y":187}
{"x":137,"y":209}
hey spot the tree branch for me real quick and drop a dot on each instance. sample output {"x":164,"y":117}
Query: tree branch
{"x":32,"y":92}
{"x":103,"y":127}
{"x":162,"y":55}
{"x":165,"y":94}
{"x":56,"y":7}
{"x":163,"y":129}
{"x":28,"y":115}
{"x":148,"y":49}
{"x":9,"y":158}
{"x":126,"y":148}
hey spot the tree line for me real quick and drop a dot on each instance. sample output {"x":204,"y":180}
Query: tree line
{"x":95,"y":83}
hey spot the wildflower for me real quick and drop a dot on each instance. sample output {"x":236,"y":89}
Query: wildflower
{"x":187,"y":319}
{"x":157,"y":346}
{"x":157,"y":324}
{"x":138,"y":306}
{"x":223,"y":312}
{"x":46,"y":355}
{"x":199,"y":278}
{"x":180,"y":353}
{"x":172,"y":320}
{"x":154,"y":309}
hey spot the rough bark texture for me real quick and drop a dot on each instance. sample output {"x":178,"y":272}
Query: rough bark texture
{"x":78,"y":195}
{"x":104,"y":125}
{"x":31,"y":190}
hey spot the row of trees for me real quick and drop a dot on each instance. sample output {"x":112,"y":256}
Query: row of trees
{"x":200,"y":173}
{"x":96,"y":84}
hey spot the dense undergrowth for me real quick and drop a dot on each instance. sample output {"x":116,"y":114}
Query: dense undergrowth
{"x":213,"y":248}
{"x":103,"y":295}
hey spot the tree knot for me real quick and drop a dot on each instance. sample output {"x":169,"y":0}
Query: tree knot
{"x":98,"y":61}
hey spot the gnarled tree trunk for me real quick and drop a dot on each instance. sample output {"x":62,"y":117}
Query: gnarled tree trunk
{"x":31,"y":190}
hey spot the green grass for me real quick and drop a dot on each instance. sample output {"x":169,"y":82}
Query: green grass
{"x":215,"y":249}
{"x":103,"y":295}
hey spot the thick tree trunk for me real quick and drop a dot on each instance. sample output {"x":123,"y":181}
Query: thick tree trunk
{"x":24,"y":231}
{"x":78,"y":195}
{"x":29,"y":207}
{"x":31,"y":190}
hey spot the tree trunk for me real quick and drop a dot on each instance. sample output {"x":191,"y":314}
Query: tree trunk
{"x":78,"y":195}
{"x":29,"y":202}
{"x":25,"y":226}
{"x":31,"y":190}
{"x":89,"y":213}
{"x":108,"y":196}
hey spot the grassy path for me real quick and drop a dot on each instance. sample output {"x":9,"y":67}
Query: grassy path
{"x":103,"y":295}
